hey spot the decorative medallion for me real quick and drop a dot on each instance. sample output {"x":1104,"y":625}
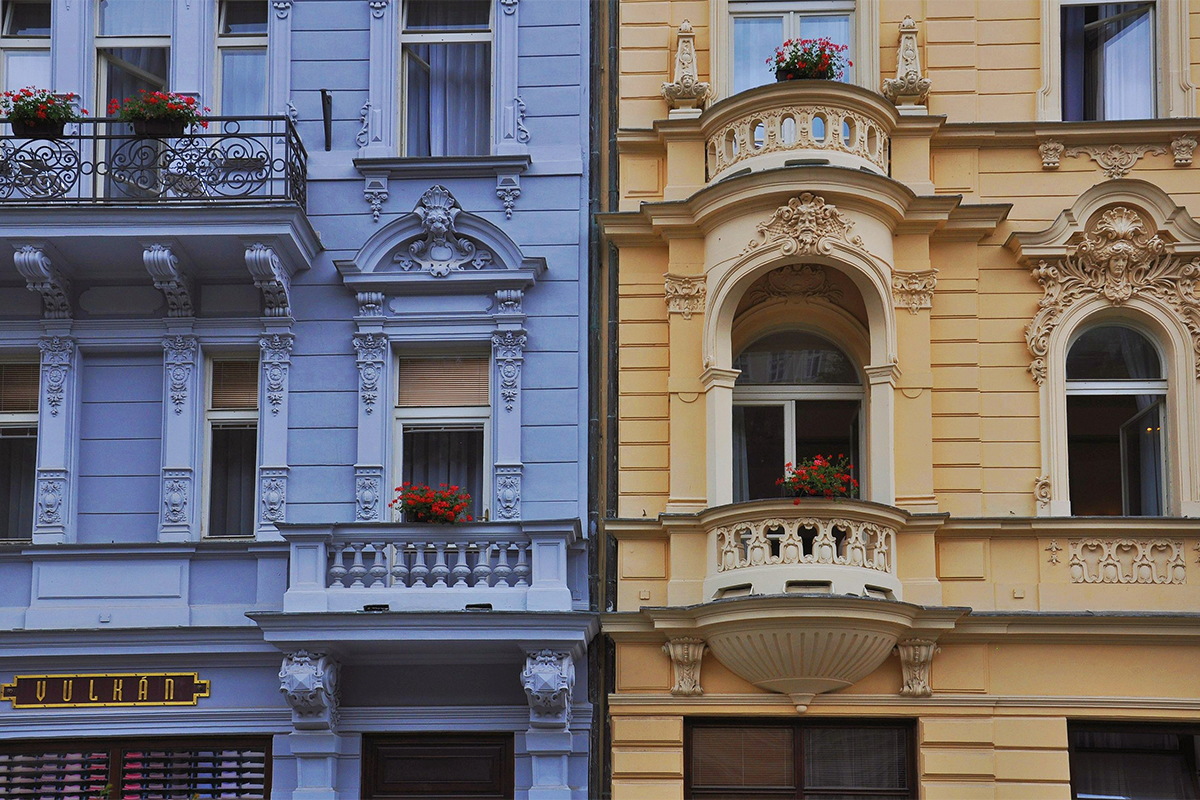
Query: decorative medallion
{"x":442,"y":250}
{"x":807,"y":225}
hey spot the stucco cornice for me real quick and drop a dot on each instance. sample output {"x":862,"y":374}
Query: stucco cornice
{"x":1083,"y":627}
{"x":1018,"y":134}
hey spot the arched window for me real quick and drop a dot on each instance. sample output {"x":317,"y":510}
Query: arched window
{"x":1116,"y":391}
{"x":798,"y":395}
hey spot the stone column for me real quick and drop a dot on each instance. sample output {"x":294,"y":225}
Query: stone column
{"x":54,"y":514}
{"x":183,"y":416}
{"x":309,"y":681}
{"x":549,"y":681}
{"x":276,"y":348}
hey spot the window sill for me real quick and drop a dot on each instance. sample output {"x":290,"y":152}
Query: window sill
{"x":444,"y":167}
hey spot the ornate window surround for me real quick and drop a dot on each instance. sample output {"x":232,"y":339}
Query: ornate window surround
{"x":1151,"y":315}
{"x":1176,"y":96}
{"x":864,"y":21}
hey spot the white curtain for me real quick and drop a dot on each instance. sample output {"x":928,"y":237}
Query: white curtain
{"x":449,"y":99}
{"x":1127,"y":64}
{"x":754,"y":41}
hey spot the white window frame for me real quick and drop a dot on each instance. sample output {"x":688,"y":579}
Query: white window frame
{"x":20,"y":44}
{"x":105,"y":42}
{"x":15,"y":420}
{"x":445,"y":37}
{"x":217,"y":419}
{"x":415,"y":418}
{"x":1174,"y":92}
{"x":239,"y":42}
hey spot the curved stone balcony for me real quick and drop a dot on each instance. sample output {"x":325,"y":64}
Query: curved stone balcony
{"x":769,"y":547}
{"x":798,"y":122}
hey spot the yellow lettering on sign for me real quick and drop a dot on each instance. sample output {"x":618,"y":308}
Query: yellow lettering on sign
{"x":92,"y":690}
{"x":118,"y":689}
{"x":169,"y":690}
{"x":143,"y":689}
{"x":68,"y":690}
{"x":41,"y":691}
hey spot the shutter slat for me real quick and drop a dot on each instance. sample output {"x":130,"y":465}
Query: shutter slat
{"x":234,"y":385}
{"x":19,"y":384}
{"x":69,"y":776}
{"x":169,"y":774}
{"x":444,"y":382}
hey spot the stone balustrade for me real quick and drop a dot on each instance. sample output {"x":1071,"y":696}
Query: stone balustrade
{"x":407,"y":567}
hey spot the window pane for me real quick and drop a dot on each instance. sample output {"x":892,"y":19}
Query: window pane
{"x":27,"y":19}
{"x":749,"y":757}
{"x":440,"y":15}
{"x":828,"y":428}
{"x":244,"y":18}
{"x":1094,"y":450}
{"x":754,"y":41}
{"x":453,"y":457}
{"x":130,"y":69}
{"x":449,"y":99}
{"x":758,"y":452}
{"x":18,"y":457}
{"x":234,"y":385}
{"x":19,"y":384}
{"x":1137,"y":765}
{"x":1141,"y":451}
{"x":1108,"y":62}
{"x":794,"y":358}
{"x":836,"y":29}
{"x":26,"y":68}
{"x":855,"y":758}
{"x":234,"y":462}
{"x":243,"y":82}
{"x":135,"y":18}
{"x":1113,"y":352}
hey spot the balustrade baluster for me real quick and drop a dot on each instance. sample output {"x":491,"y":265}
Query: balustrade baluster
{"x":502,"y":571}
{"x":522,"y":571}
{"x":378,"y":570}
{"x":440,"y":571}
{"x":420,"y":570}
{"x":358,"y":570}
{"x":482,"y":573}
{"x":461,"y":570}
{"x":337,"y":569}
{"x":400,"y":565}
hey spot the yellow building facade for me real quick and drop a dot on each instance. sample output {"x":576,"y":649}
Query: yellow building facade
{"x":993,"y":313}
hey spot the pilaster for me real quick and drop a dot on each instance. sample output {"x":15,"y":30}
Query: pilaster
{"x":684,"y":289}
{"x":508,"y":349}
{"x":913,"y":286}
{"x":510,"y":136}
{"x":71,"y":27}
{"x":58,"y":406}
{"x":549,"y":682}
{"x":279,"y":59}
{"x":183,"y":410}
{"x":374,"y":367}
{"x":309,"y":683}
{"x":379,"y":112}
{"x":276,"y":358}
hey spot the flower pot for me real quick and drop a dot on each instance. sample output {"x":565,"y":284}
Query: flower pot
{"x":37,"y":130}
{"x":159,"y":127}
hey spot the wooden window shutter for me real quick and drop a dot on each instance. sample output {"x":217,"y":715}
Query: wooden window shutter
{"x":444,"y":381}
{"x":234,"y":385}
{"x":19,"y":384}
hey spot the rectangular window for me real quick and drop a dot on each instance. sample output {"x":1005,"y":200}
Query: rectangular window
{"x":446,"y":50}
{"x":232,"y":429}
{"x":19,"y":384}
{"x":443,"y":414}
{"x":242,"y":55}
{"x":769,"y":434}
{"x":133,"y":47}
{"x":760,"y":26}
{"x":438,"y":765}
{"x":25,"y":40}
{"x":1135,"y":763}
{"x":1108,"y":62}
{"x":813,"y":759}
{"x":158,"y":769}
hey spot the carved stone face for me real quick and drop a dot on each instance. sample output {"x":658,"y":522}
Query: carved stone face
{"x":1118,"y":263}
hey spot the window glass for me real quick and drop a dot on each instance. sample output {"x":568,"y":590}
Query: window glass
{"x":461,"y":766}
{"x":743,"y":757}
{"x":445,"y":455}
{"x":18,"y":459}
{"x":243,"y":82}
{"x":26,"y":68}
{"x":234,"y":466}
{"x":1113,"y":352}
{"x":449,"y":99}
{"x":1108,"y":61}
{"x":244,"y":18}
{"x":758,"y":451}
{"x":827,"y":428}
{"x":1135,"y":765}
{"x":754,"y":41}
{"x":27,"y":20}
{"x":135,"y":17}
{"x":855,"y":758}
{"x":440,"y":15}
{"x":794,"y":358}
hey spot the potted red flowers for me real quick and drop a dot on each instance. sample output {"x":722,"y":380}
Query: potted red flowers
{"x":39,"y":113}
{"x":159,"y":113}
{"x":421,"y":503}
{"x":820,"y":476}
{"x":807,"y":59}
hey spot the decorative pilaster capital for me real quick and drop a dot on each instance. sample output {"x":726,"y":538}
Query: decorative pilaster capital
{"x":378,"y":7}
{"x":270,"y":278}
{"x":1051,"y":152}
{"x":549,"y":681}
{"x":909,"y":87}
{"x":914,"y":290}
{"x":282,"y":8}
{"x":371,"y":348}
{"x":686,"y":93}
{"x":508,"y":301}
{"x":370,"y":304}
{"x":58,"y":353}
{"x":276,"y":357}
{"x":686,"y":654}
{"x":309,"y":682}
{"x":179,"y":359}
{"x":916,"y":658}
{"x":1182,"y":148}
{"x":509,"y":347}
{"x":169,"y":278}
{"x":685,"y":295}
{"x":41,"y":277}
{"x":509,"y":6}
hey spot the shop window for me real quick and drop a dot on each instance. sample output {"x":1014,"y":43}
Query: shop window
{"x":810,"y":760}
{"x":798,"y":396}
{"x":1116,"y":397}
{"x":443,"y":419}
{"x":1134,"y":763}
{"x":242,"y":57}
{"x":25,"y":39}
{"x":431,"y":765}
{"x":159,"y":769}
{"x":232,"y":430}
{"x":19,"y":384}
{"x":1108,"y":61}
{"x":760,"y":27}
{"x":446,"y":49}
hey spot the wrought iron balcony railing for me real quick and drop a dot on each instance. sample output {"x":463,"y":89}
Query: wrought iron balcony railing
{"x":233,"y":160}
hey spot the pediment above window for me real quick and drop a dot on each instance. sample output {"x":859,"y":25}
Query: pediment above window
{"x":439,"y":249}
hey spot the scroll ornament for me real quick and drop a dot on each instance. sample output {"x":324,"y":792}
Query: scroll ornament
{"x":914,"y":290}
{"x":807,"y":225}
{"x":1117,"y":259}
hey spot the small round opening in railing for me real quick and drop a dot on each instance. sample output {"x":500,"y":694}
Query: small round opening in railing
{"x":712,"y":155}
{"x":873,"y":142}
{"x":787,"y":130}
{"x":818,"y":127}
{"x":759,"y":137}
{"x":731,"y":145}
{"x":849,"y":133}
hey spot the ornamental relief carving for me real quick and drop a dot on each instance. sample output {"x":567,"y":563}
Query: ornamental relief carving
{"x":441,"y":249}
{"x":793,"y":283}
{"x":807,"y":225}
{"x":687,"y":91}
{"x":686,"y":655}
{"x":179,"y":355}
{"x":1118,"y":258}
{"x":685,"y":295}
{"x":1146,"y":561}
{"x":914,"y":290}
{"x":1116,"y":160}
{"x":57,"y":353}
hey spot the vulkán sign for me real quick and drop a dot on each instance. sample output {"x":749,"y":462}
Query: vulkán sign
{"x":109,"y":689}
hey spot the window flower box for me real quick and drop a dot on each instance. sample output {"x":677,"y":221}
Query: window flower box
{"x":810,"y":59}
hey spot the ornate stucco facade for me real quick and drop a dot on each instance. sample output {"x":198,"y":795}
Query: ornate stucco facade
{"x":955,"y":242}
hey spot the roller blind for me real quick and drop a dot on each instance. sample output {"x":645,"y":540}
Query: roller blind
{"x":444,"y":381}
{"x":18,"y":387}
{"x":234,"y":385}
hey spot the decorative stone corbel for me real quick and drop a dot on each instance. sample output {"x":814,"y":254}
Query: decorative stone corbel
{"x":684,"y":295}
{"x":173,"y":282}
{"x":309,"y":681}
{"x":1041,"y":492}
{"x":375,"y":187}
{"x":909,"y":88}
{"x":686,"y":654}
{"x":508,"y":301}
{"x":914,"y":290}
{"x":508,"y":189}
{"x":686,"y":94}
{"x":549,"y":681}
{"x":270,"y":278}
{"x":370,"y":304}
{"x":1182,"y":148}
{"x":916,"y":657}
{"x":41,"y":277}
{"x":1051,"y":151}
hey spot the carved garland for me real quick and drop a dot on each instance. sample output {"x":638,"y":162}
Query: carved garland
{"x":1117,"y":160}
{"x":1117,"y":259}
{"x":370,"y":348}
{"x":509,"y":347}
{"x":57,"y":353}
